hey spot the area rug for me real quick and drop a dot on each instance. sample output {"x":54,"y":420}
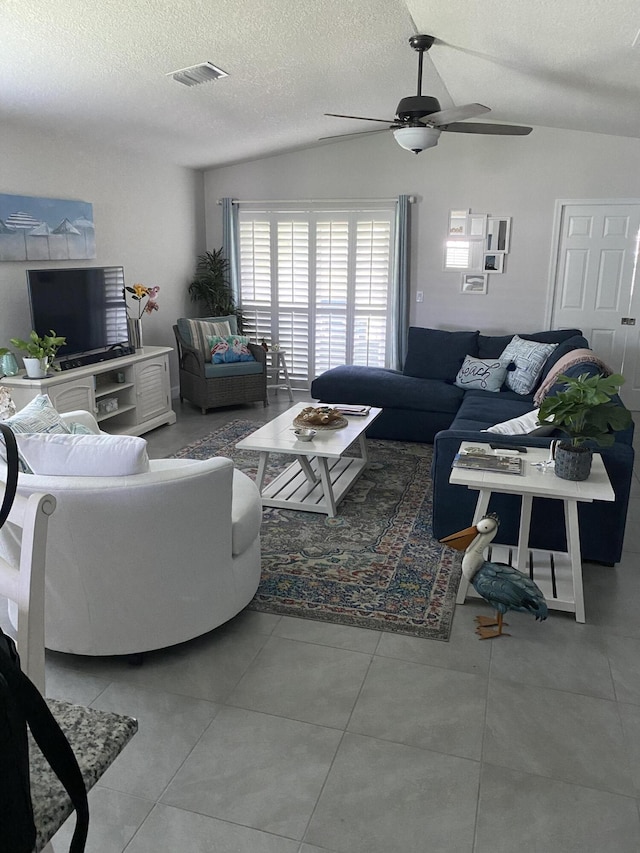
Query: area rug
{"x":376,"y":565}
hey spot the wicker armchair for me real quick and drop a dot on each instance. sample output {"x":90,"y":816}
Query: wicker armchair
{"x":205,"y":384}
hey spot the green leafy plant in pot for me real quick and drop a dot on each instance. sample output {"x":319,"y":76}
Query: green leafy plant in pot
{"x":585,"y":411}
{"x":212,"y":287}
{"x":40,"y":352}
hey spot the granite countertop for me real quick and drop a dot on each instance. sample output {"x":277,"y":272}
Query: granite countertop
{"x":97,"y":738}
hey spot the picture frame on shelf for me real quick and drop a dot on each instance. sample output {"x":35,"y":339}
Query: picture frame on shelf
{"x":474,"y":283}
{"x":493,"y":262}
{"x":498,"y":234}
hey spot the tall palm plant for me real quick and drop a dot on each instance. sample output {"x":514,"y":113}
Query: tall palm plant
{"x":211,"y":286}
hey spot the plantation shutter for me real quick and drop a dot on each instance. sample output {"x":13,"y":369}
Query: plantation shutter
{"x":255,"y":275}
{"x":319,"y":284}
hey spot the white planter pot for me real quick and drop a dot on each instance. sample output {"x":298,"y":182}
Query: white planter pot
{"x":36,"y":367}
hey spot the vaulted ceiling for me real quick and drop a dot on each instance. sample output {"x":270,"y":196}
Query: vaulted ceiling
{"x":97,"y":72}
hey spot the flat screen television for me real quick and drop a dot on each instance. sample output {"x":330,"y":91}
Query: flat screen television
{"x":87,"y":306}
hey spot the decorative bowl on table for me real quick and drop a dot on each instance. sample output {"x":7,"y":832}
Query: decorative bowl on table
{"x":320,"y":417}
{"x":304,"y":433}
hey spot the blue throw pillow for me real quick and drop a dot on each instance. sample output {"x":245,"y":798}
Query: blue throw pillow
{"x":482,"y":374}
{"x":529,"y":358}
{"x":437,"y":354}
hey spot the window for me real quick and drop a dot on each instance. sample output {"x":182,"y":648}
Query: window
{"x":318,"y":283}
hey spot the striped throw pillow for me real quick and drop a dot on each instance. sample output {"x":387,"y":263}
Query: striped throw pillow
{"x":37,"y":416}
{"x":201,"y":330}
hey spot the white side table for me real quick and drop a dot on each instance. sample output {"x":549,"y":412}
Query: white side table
{"x":279,"y":373}
{"x":558,"y":574}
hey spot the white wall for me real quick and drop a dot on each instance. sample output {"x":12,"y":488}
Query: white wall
{"x":148,"y":218}
{"x":509,"y":176}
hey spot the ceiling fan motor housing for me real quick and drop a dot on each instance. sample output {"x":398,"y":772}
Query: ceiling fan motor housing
{"x":417,"y":106}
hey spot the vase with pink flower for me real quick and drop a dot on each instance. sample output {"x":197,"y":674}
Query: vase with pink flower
{"x":147,"y":302}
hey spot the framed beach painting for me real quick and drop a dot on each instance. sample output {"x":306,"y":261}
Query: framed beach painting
{"x":45,"y":229}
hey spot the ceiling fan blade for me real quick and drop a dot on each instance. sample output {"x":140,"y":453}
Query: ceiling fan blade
{"x":483,"y":127}
{"x":362,"y":118}
{"x":456,"y":114}
{"x":357,"y":133}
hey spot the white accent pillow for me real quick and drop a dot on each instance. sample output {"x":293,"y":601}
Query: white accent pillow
{"x":55,"y":455}
{"x":517,"y":426}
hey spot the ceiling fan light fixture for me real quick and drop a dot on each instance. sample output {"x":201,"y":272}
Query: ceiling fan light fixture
{"x":416,"y":139}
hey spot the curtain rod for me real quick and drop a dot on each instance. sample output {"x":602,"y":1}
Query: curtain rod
{"x":412,"y":199}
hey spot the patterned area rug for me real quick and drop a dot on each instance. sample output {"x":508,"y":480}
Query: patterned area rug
{"x":375,"y":565}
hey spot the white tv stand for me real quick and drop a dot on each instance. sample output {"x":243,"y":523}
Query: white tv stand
{"x":129,"y":395}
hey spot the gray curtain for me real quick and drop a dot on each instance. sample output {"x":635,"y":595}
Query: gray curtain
{"x":230,"y":243}
{"x":400,"y":301}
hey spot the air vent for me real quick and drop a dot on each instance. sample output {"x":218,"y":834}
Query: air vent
{"x":203,"y":73}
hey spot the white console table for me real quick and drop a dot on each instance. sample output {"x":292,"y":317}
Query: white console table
{"x":129,"y":395}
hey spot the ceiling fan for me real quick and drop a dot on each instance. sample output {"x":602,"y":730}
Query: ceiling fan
{"x":419,"y":120}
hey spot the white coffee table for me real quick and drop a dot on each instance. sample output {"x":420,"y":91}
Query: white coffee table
{"x":558,"y":574}
{"x":320,"y":475}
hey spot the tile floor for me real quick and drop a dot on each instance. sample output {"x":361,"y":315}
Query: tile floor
{"x":279,"y":735}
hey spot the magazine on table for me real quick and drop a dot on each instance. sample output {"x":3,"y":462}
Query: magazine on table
{"x":489,"y":462}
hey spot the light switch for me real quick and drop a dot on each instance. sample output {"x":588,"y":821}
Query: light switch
{"x":420,"y":296}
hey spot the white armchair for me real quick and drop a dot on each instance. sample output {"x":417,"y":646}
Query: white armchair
{"x":145,"y":561}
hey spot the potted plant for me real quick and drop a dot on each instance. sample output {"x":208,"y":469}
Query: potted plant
{"x":40,"y":352}
{"x":586,"y":412}
{"x":211,"y":286}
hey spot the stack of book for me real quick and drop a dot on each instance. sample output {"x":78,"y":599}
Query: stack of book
{"x":489,"y":462}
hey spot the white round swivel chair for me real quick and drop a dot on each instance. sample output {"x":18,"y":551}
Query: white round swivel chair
{"x":148,"y":560}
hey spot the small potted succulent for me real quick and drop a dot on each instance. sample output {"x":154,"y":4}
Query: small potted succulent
{"x":40,"y":352}
{"x":585,"y":411}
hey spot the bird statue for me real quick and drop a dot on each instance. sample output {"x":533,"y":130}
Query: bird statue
{"x":504,"y":587}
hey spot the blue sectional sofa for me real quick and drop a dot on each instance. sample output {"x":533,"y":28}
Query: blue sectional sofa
{"x":423,"y":403}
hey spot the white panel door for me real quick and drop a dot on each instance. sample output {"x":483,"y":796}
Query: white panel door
{"x":594,"y":284}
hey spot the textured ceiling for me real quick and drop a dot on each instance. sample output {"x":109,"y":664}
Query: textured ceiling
{"x":97,"y":70}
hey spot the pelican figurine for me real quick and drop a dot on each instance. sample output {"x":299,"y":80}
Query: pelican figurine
{"x":504,"y":587}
